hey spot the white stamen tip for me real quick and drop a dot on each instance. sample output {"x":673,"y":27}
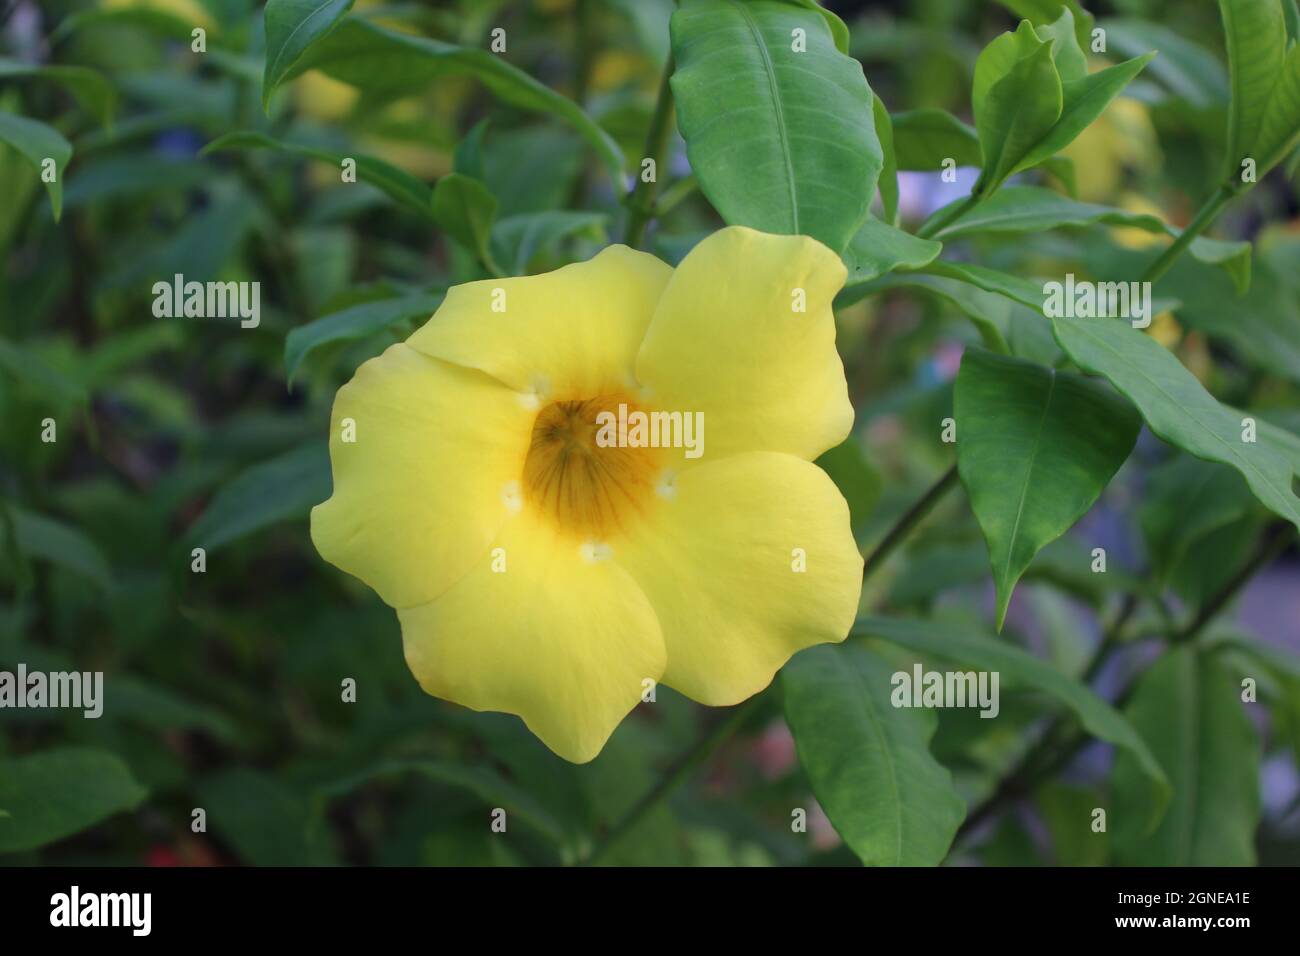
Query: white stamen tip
{"x":667,"y":486}
{"x":512,"y":497}
{"x":593,"y":551}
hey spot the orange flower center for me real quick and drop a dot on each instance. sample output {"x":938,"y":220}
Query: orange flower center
{"x":581,"y":471}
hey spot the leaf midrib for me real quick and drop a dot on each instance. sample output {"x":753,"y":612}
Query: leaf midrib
{"x":783,"y":135}
{"x":1029,"y":471}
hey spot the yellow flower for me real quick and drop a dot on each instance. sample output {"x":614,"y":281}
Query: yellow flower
{"x":539,"y":570}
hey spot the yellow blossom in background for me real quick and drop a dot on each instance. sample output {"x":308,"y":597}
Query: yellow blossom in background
{"x":540,"y":571}
{"x":1121,"y":137}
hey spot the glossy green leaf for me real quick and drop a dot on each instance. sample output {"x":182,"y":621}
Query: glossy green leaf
{"x":38,"y":143}
{"x":1020,"y":668}
{"x":1017,"y":102}
{"x":352,"y":323}
{"x":1071,"y":63}
{"x":924,"y":138}
{"x":1186,"y":500}
{"x":88,"y":87}
{"x":1279,"y":128}
{"x":1255,"y":36}
{"x":465,"y":208}
{"x":868,"y":761}
{"x":53,"y":794}
{"x":396,"y":183}
{"x":1035,"y":449}
{"x":1082,"y":101}
{"x":888,"y":182}
{"x":1020,"y":209}
{"x":782,"y":141}
{"x":1177,"y":407}
{"x":273,"y":491}
{"x":1017,"y":209}
{"x":384,"y":63}
{"x":291,"y":27}
{"x":1188,"y":709}
{"x":878,"y":248}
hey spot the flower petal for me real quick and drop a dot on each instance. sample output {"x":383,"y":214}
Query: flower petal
{"x":571,"y":333}
{"x":561,"y":639}
{"x":719,"y":566}
{"x":420,"y":494}
{"x":726,"y":341}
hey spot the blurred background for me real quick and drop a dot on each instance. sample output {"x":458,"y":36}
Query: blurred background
{"x":223,"y":687}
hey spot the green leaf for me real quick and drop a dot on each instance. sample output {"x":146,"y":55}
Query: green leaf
{"x":1035,"y":449}
{"x":516,"y":240}
{"x":54,"y":794}
{"x":465,"y":208}
{"x":868,"y":761}
{"x":291,"y":27}
{"x":350,"y":324}
{"x":888,"y":182}
{"x":999,"y":59}
{"x":856,"y":478}
{"x":1185,"y":501}
{"x":39,"y":142}
{"x":1189,"y":711}
{"x":1017,"y":99}
{"x":278,"y":490}
{"x":267,"y":822}
{"x":839,"y":31}
{"x":1255,"y":35}
{"x":1177,"y":407}
{"x":780,"y":140}
{"x":88,"y":87}
{"x":878,"y":248}
{"x":383,"y":63}
{"x":1186,"y":69}
{"x":1071,"y":63}
{"x":1279,"y":129}
{"x":991,"y":313}
{"x":156,"y":707}
{"x":1020,"y":209}
{"x":28,"y":368}
{"x":1018,"y":667}
{"x":396,"y":183}
{"x":1082,"y":101}
{"x":487,"y":784}
{"x":46,"y":539}
{"x":924,"y":138}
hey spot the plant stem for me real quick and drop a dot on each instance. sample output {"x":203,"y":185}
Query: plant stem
{"x":641,"y":199}
{"x":958,"y":210}
{"x":1207,"y":214}
{"x":674,"y":777}
{"x":1040,"y":763}
{"x":904,"y":525}
{"x":1020,"y":779}
{"x":1270,"y":549}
